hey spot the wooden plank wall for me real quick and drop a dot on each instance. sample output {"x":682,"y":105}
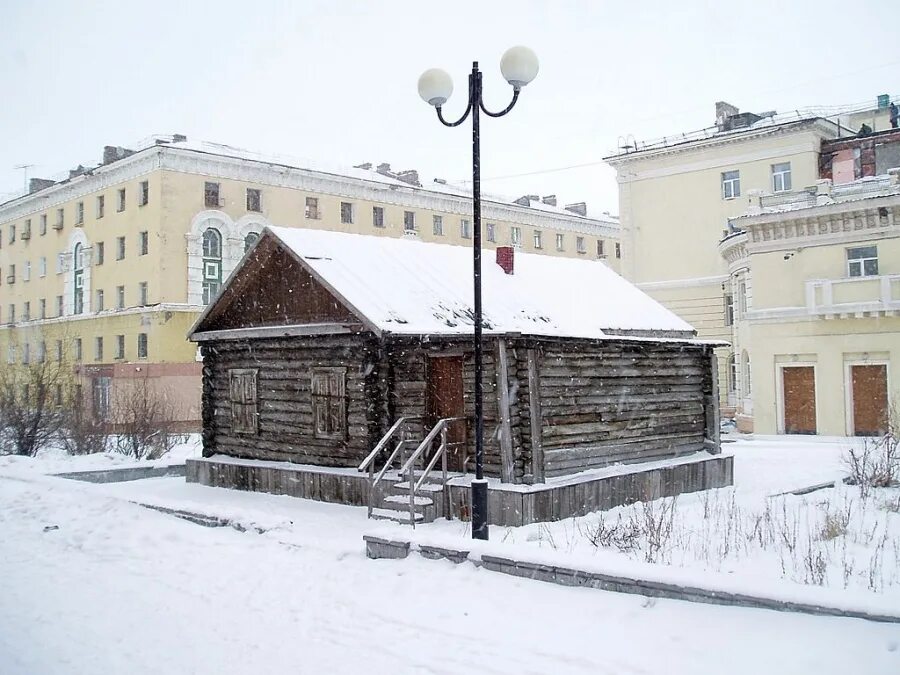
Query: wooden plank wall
{"x":285,"y":405}
{"x":617,"y":402}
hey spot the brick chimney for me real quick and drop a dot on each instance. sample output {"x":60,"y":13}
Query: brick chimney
{"x":410,"y":176}
{"x":36,"y":184}
{"x":384,"y":168}
{"x":506,"y":258}
{"x":578,"y":207}
{"x":365,"y":166}
{"x":113,"y":153}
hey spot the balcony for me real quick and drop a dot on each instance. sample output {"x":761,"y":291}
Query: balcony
{"x":856,"y":297}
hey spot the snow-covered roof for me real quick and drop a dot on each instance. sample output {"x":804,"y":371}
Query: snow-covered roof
{"x":410,"y":287}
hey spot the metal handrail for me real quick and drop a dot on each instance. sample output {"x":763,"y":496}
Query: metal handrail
{"x":409,"y":468}
{"x":369,"y":462}
{"x":384,"y":439}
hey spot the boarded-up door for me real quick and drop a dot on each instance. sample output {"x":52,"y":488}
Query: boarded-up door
{"x":870,"y":405}
{"x":445,"y":399}
{"x":799,"y":399}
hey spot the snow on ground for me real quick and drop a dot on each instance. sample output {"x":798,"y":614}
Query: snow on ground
{"x":91,"y":583}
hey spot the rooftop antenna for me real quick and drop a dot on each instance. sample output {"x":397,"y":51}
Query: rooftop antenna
{"x":24,"y":169}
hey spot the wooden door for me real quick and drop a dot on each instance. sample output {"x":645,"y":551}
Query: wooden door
{"x":444,"y":398}
{"x":799,"y":383}
{"x":868,"y":386}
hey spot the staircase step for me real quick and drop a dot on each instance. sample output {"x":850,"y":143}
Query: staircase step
{"x":425,"y":487}
{"x":404,"y":500}
{"x":396,"y":516}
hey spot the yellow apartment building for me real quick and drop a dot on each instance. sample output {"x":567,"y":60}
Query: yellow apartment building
{"x":679,"y":196}
{"x":820,"y":321}
{"x":111,"y":266}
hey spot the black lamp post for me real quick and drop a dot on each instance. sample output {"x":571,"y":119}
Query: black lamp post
{"x":519,"y":66}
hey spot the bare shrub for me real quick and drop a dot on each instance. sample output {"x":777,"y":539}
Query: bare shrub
{"x":622,"y":535}
{"x":144,"y":419}
{"x":82,"y":432}
{"x":656,"y":523}
{"x":29,"y":415}
{"x":835,"y":523}
{"x":876,"y":463}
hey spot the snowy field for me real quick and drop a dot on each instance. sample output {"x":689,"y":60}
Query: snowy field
{"x":90,"y":582}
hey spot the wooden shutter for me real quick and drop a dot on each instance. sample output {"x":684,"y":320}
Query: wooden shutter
{"x":329,"y":403}
{"x":244,"y":403}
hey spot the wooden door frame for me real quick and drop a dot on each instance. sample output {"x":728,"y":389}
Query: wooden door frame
{"x":779,"y":391}
{"x":848,"y":387}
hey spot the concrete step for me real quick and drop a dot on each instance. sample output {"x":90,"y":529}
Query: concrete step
{"x":396,"y":516}
{"x":403,"y":500}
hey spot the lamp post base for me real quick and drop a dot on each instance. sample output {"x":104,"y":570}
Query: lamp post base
{"x":479,"y":509}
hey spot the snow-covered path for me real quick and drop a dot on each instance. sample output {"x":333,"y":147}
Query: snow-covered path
{"x":121,"y":589}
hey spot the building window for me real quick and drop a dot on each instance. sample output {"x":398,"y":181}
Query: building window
{"x":42,"y":306}
{"x":26,"y":230}
{"x":43,"y":224}
{"x":10,"y":354}
{"x":59,"y":305}
{"x":746,"y":387}
{"x":329,"y":402}
{"x":312,"y":208}
{"x":100,"y":387}
{"x":579,"y":245}
{"x":26,"y":355}
{"x":600,"y":253}
{"x":211,"y":195}
{"x":618,"y":250}
{"x":42,"y":266}
{"x":101,"y":206}
{"x":742,"y":299}
{"x":729,"y":309}
{"x":377,"y":216}
{"x":142,"y":293}
{"x":26,"y":271}
{"x":560,"y":242}
{"x":41,"y":351}
{"x":11,"y":277}
{"x":120,"y":297}
{"x":538,"y":240}
{"x":732,"y":374}
{"x":60,"y":262}
{"x":212,"y":264}
{"x":78,"y":266}
{"x":346,"y":213}
{"x":120,"y":248}
{"x":409,"y":221}
{"x":12,"y":233}
{"x":120,"y":205}
{"x":77,"y":348}
{"x":491,"y":232}
{"x":142,"y":346}
{"x":120,"y":346}
{"x":242,"y":393}
{"x":781,"y":177}
{"x":59,"y":351}
{"x":12,"y":313}
{"x":26,"y":311}
{"x":98,"y":253}
{"x":254,"y":199}
{"x":143,"y":243}
{"x":515,"y":235}
{"x":60,"y":218}
{"x":144,"y":193}
{"x":465,"y":229}
{"x":862,"y":261}
{"x":99,"y":294}
{"x":249,"y":240}
{"x":79,"y":213}
{"x":437,"y":225}
{"x":731,"y":184}
{"x":98,"y":349}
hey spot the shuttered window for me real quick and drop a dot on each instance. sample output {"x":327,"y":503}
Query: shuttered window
{"x":242,"y":393}
{"x":329,"y":403}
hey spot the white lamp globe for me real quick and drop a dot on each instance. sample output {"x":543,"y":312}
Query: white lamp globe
{"x":519,"y":66}
{"x":435,"y":86}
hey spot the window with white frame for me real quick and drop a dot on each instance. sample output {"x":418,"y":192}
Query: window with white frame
{"x":78,"y":286}
{"x":731,"y":184}
{"x":538,"y":239}
{"x":211,"y":195}
{"x":144,"y":193}
{"x":729,"y":309}
{"x":120,"y":347}
{"x":600,"y":251}
{"x":99,"y":300}
{"x":142,"y":346}
{"x":346,"y":213}
{"x":42,"y":266}
{"x":437,"y":225}
{"x":43,"y":224}
{"x":465,"y":229}
{"x":212,"y":263}
{"x":254,"y":199}
{"x":42,"y":308}
{"x":579,"y":245}
{"x":143,"y":243}
{"x":491,"y":232}
{"x":26,"y":271}
{"x":409,"y":221}
{"x":100,"y":206}
{"x":98,"y":349}
{"x":560,"y":242}
{"x":79,"y":213}
{"x":862,"y":261}
{"x":781,"y":177}
{"x":515,"y":235}
{"x":120,"y":248}
{"x":378,"y":216}
{"x":312,"y":208}
{"x":142,"y":294}
{"x":120,"y":297}
{"x":120,"y":204}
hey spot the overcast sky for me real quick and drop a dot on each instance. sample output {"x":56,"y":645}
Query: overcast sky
{"x":336,"y":80}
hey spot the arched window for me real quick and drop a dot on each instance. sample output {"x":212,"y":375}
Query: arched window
{"x":78,"y":267}
{"x":212,"y":264}
{"x":250,"y":239}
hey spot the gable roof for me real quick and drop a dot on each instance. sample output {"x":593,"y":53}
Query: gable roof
{"x":409,"y":287}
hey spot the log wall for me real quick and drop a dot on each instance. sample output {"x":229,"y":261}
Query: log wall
{"x":613,"y":402}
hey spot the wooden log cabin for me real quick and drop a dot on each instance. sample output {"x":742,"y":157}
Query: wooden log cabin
{"x":322,"y":344}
